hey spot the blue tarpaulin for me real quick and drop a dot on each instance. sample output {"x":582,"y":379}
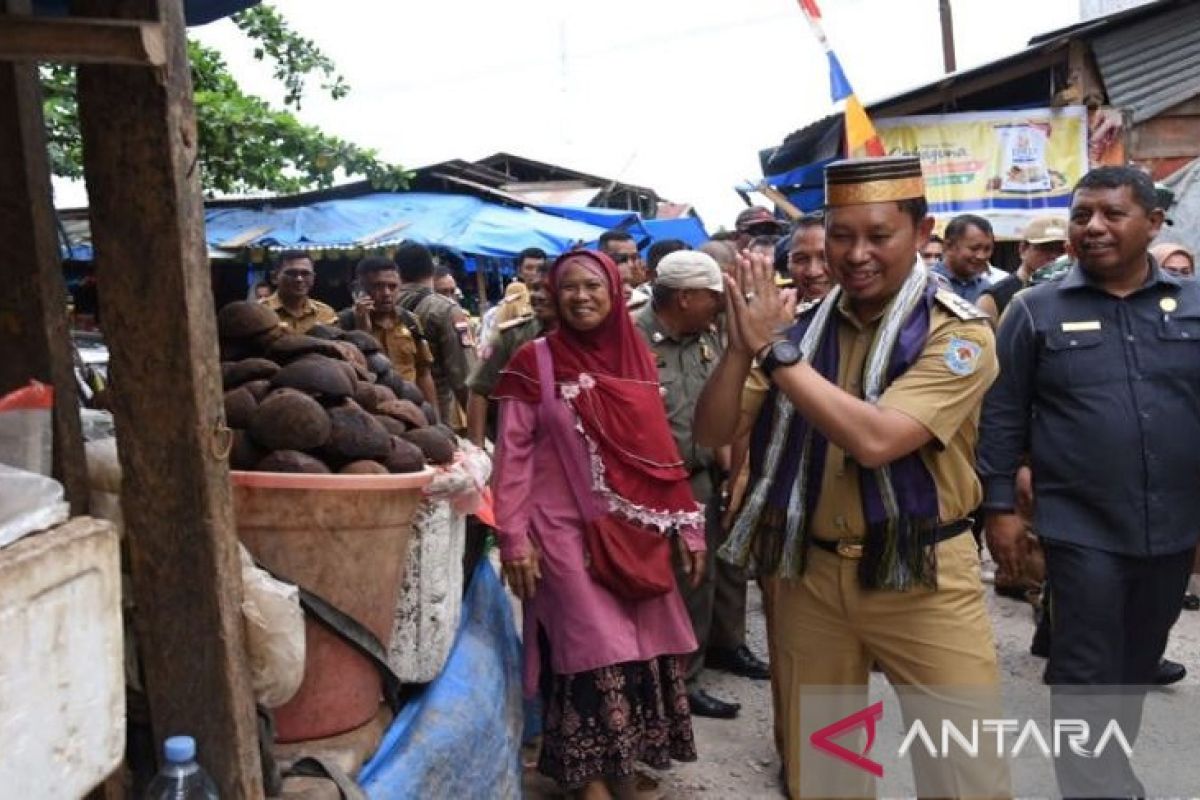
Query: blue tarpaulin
{"x":688,"y":229}
{"x":462,"y":223}
{"x":462,"y":736}
{"x":646,"y":231}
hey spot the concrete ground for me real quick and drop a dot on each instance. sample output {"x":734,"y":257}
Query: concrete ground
{"x":737,"y":757}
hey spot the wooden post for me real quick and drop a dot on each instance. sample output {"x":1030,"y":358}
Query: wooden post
{"x":140,"y":159}
{"x":34,"y":340}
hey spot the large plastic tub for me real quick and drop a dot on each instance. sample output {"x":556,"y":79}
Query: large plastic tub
{"x":346,"y":538}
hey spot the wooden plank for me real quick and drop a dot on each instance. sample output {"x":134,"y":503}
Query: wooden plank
{"x":933,"y":98}
{"x":34,"y":338}
{"x":140,"y":159}
{"x":82,"y":41}
{"x":386,"y":232}
{"x":1166,"y":137}
{"x":1186,"y":107}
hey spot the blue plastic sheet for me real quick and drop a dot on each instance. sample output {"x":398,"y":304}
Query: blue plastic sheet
{"x":460,"y":222}
{"x":461,"y":738}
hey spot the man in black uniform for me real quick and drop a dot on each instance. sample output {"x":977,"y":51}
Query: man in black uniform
{"x":1109,"y":356}
{"x":1045,"y":239}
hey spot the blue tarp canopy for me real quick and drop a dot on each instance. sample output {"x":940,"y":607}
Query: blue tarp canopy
{"x":646,"y":231}
{"x":688,"y":229}
{"x":464,"y":224}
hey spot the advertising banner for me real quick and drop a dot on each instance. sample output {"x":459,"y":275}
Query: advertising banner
{"x":1008,"y":166}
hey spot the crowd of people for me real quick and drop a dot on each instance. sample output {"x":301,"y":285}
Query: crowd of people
{"x":831,"y":406}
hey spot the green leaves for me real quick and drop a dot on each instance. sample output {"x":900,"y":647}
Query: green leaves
{"x":295,"y":57}
{"x":245,"y":144}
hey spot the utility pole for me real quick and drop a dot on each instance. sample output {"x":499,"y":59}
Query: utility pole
{"x":947,"y":36}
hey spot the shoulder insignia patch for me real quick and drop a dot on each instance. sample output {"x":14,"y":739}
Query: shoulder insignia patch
{"x":957,"y":306}
{"x":962,"y":356}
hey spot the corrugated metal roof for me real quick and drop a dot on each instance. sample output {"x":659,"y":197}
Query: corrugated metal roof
{"x":1153,"y":64}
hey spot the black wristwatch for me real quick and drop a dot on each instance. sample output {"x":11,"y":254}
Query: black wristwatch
{"x":783,"y":353}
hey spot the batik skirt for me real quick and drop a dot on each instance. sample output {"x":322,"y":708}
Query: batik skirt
{"x":599,"y":724}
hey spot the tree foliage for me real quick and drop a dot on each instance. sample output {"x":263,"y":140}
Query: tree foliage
{"x":246,"y":145}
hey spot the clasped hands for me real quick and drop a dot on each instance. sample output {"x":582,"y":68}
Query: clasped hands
{"x":758,"y":310}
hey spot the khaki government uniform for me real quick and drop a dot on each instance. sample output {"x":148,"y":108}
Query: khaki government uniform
{"x":451,"y":341}
{"x":507,"y":340}
{"x":314,"y":313}
{"x":403,"y":341}
{"x":827,"y":630}
{"x":684,"y":365}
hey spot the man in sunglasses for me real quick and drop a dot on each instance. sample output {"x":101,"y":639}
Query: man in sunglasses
{"x":298,"y":312}
{"x":756,"y":221}
{"x":621,"y":247}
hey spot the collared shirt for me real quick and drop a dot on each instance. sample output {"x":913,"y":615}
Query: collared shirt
{"x":938,"y":391}
{"x":684,"y":365}
{"x":1002,"y":291}
{"x":451,"y":341}
{"x":968,"y":289}
{"x":1103,"y":394}
{"x":313,"y":313}
{"x":506,"y":343}
{"x":401,"y":337}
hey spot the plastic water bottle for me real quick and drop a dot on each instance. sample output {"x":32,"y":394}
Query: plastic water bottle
{"x":181,"y":778}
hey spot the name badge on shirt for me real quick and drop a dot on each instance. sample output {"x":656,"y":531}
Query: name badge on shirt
{"x":1075,"y":327}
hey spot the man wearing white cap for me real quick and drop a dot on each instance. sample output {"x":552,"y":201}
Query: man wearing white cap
{"x":1045,"y":239}
{"x":678,"y":325}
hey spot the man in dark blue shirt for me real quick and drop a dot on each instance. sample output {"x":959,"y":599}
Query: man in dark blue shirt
{"x":1100,"y":387}
{"x":964,"y":267}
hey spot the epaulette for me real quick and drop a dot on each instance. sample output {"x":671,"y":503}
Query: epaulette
{"x":957,"y":306}
{"x":512,"y":323}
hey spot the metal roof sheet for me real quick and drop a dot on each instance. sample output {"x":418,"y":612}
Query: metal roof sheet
{"x":1152,"y":64}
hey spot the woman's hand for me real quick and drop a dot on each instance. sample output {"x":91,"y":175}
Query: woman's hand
{"x":692,"y":562}
{"x":522,"y":574}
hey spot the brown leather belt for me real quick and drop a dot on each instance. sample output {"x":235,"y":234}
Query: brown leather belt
{"x":853,"y":548}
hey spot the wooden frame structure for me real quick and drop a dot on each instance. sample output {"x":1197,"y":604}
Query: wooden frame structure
{"x":140,"y":158}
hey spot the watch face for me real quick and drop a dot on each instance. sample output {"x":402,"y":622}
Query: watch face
{"x":786,"y":352}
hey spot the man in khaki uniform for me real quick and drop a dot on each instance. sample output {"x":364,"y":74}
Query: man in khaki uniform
{"x":509,"y":338}
{"x":297,"y":311}
{"x":875,"y":565}
{"x":399,"y":332}
{"x":678,"y":325}
{"x":447,"y":327}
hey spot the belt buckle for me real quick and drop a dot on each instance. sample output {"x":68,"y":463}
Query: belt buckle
{"x":850,"y":548}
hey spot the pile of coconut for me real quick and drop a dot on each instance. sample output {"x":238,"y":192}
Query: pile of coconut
{"x":324,"y":402}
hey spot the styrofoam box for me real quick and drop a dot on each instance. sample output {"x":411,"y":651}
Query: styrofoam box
{"x":62,"y":687}
{"x":430,"y":602}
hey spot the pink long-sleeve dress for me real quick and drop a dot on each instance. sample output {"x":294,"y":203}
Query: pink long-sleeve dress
{"x":586,"y":625}
{"x":615,"y":692}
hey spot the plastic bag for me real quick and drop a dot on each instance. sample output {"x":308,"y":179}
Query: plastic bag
{"x":28,"y":502}
{"x":274,"y":624}
{"x":26,"y":431}
{"x":462,"y":481}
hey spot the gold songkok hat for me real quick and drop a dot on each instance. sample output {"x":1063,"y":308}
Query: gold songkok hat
{"x":856,"y":181}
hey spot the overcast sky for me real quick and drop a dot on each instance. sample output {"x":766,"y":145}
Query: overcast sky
{"x":678,"y":95}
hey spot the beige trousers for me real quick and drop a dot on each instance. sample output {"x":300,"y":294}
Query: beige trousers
{"x":827,"y":632}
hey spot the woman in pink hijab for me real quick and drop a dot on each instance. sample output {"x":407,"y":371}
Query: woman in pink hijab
{"x":1175,"y":258}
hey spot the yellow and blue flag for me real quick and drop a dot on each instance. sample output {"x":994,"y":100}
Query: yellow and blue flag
{"x":861,"y":138}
